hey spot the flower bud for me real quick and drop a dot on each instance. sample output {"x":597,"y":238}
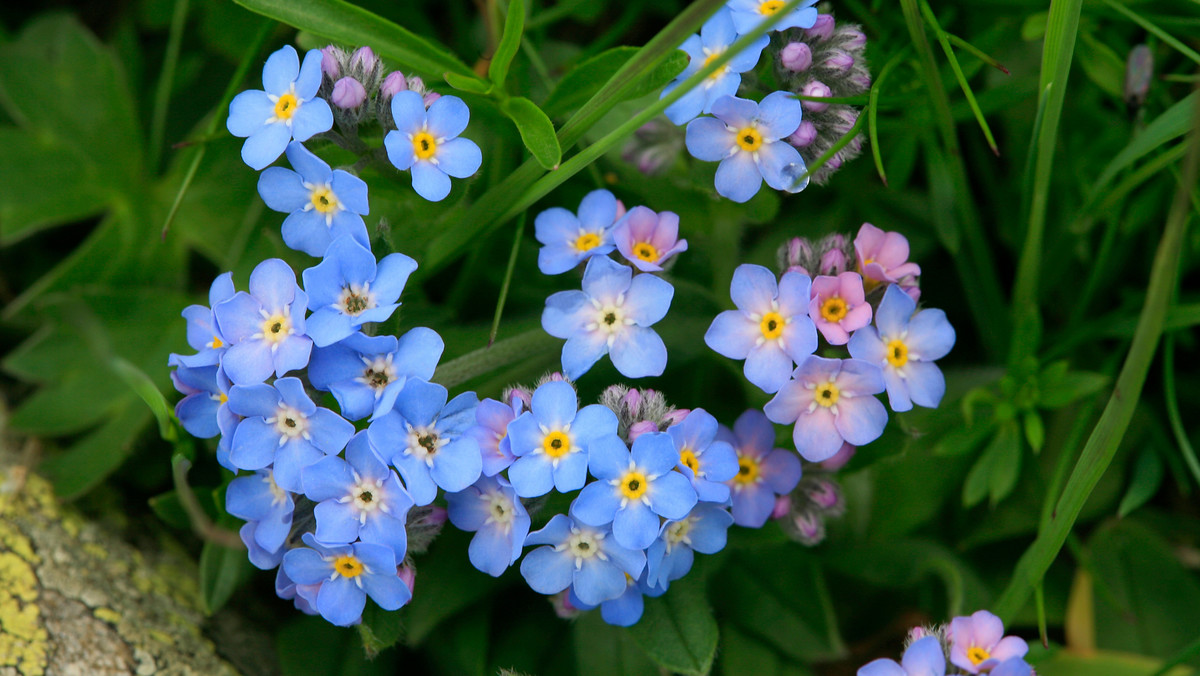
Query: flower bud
{"x":816,"y":89}
{"x":783,"y":505}
{"x":437,"y":515}
{"x":563,"y":606}
{"x":408,"y":575}
{"x":839,"y":61}
{"x":519,"y":394}
{"x":833,"y":262}
{"x":798,"y":251}
{"x":804,"y":135}
{"x":839,"y":459}
{"x":641,"y":427}
{"x":429,"y":98}
{"x":620,"y":210}
{"x":675,"y":416}
{"x":810,"y":528}
{"x":917,"y":633}
{"x":348,"y":93}
{"x":796,"y":56}
{"x":393,"y":84}
{"x":1139,"y":72}
{"x":363,"y":60}
{"x":331,"y":61}
{"x":861,"y":82}
{"x":416,"y":84}
{"x":632,"y":401}
{"x":822,"y":29}
{"x":825,"y":494}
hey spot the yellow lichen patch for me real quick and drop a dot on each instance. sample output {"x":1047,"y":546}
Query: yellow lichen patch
{"x":22,"y":638}
{"x":107,"y":615}
{"x":161,"y":636}
{"x":94,"y":550}
{"x":12,"y":540}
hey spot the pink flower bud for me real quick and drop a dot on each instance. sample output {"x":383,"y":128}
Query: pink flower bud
{"x":799,"y":268}
{"x":331,"y":62}
{"x":833,"y":263}
{"x":348,"y":93}
{"x":363,"y":60}
{"x":860,"y":82}
{"x":556,"y":377}
{"x":917,"y":633}
{"x":783,"y":505}
{"x":620,"y":210}
{"x":429,"y":98}
{"x":839,"y":61}
{"x":839,"y":459}
{"x":632,"y":401}
{"x":393,"y":84}
{"x":408,"y":575}
{"x":520,"y":396}
{"x":563,"y":606}
{"x":796,"y":56}
{"x":642,"y":427}
{"x":852,"y":38}
{"x":437,"y":515}
{"x":816,"y":89}
{"x":834,"y":163}
{"x":676,"y":416}
{"x":835,"y":241}
{"x":416,"y":84}
{"x":810,"y":528}
{"x":804,"y":135}
{"x":825,"y":494}
{"x":822,"y":29}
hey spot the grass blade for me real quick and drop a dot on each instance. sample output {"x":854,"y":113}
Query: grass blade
{"x":508,"y":275}
{"x":166,"y":79}
{"x":977,"y":52}
{"x":958,"y":75}
{"x":1151,"y":27}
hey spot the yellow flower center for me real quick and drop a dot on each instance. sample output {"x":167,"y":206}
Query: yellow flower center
{"x":770,"y":7}
{"x":633,"y":485}
{"x":223,"y":398}
{"x":323,"y":199}
{"x":556,"y":444}
{"x":747,"y":470}
{"x":216,"y":343}
{"x":716,"y":74}
{"x":424,"y":145}
{"x":645,"y":251}
{"x":977,"y":654}
{"x":772,"y":325}
{"x":276,"y":328}
{"x":348,"y":566}
{"x":833,"y":310}
{"x":587,"y":241}
{"x":897,"y":353}
{"x":827,"y":394}
{"x":285,"y":106}
{"x":689,"y":460}
{"x":749,"y":139}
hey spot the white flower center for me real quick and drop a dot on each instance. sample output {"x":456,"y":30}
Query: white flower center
{"x":289,"y":423}
{"x":355,"y":299}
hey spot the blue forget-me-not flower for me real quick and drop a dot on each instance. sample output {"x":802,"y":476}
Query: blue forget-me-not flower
{"x":569,"y":239}
{"x":322,"y":204}
{"x":366,"y":373}
{"x":265,"y":328}
{"x":716,"y":36}
{"x":747,"y":14}
{"x":287,"y":110}
{"x":348,"y":289}
{"x":585,"y":559}
{"x":490,"y":509}
{"x":426,"y":142}
{"x":347,"y":575}
{"x":705,"y":460}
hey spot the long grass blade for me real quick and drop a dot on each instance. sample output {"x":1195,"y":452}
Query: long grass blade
{"x":958,"y":75}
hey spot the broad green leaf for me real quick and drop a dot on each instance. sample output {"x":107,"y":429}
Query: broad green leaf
{"x":677,"y":630}
{"x":537,"y":131}
{"x":71,"y":405}
{"x":468,"y":84}
{"x":448,"y":584}
{"x":604,"y":650}
{"x":1147,"y":477}
{"x":47,"y":182}
{"x":510,"y":41}
{"x":168,"y":507}
{"x":222,"y":571}
{"x":996,"y":471}
{"x":1071,"y":387}
{"x":145,"y":388}
{"x":348,"y":24}
{"x":380,"y":629}
{"x":584,"y":80}
{"x":88,"y":461}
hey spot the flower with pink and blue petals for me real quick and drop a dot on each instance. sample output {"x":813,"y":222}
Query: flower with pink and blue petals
{"x":611,"y":315}
{"x":358,"y":498}
{"x":425,"y":438}
{"x":288,"y":109}
{"x":265,"y":328}
{"x":204,"y":411}
{"x":705,"y":460}
{"x":747,"y":14}
{"x":839,"y":306}
{"x":764,"y":472}
{"x":923,"y":658}
{"x":283,"y":429}
{"x":883,"y":259}
{"x":491,"y":510}
{"x":569,"y":239}
{"x":348,"y":574}
{"x":553,"y":440}
{"x":831,"y":401}
{"x":905,"y":345}
{"x":647,"y":239}
{"x":366,"y":373}
{"x":703,"y":530}
{"x":426,"y":142}
{"x":746,"y":138}
{"x":770,"y":329}
{"x":716,"y":36}
{"x":978,"y":644}
{"x":322,"y":204}
{"x":633,"y":488}
{"x":268,"y":508}
{"x":491,"y":432}
{"x":348,"y":289}
{"x":626,"y":609}
{"x":203,"y":334}
{"x":584,"y":559}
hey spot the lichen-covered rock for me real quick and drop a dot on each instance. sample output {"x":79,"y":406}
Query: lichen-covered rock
{"x":75,"y":599}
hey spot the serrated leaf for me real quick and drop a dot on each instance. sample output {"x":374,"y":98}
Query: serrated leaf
{"x":1071,"y":387}
{"x":678,"y":630}
{"x":1147,"y":477}
{"x":510,"y":41}
{"x":583,"y":81}
{"x":349,"y":24}
{"x":537,"y":131}
{"x":467,"y":84}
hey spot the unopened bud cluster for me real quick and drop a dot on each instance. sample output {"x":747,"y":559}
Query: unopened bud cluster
{"x":640,"y":411}
{"x":360,"y":88}
{"x":825,"y":61}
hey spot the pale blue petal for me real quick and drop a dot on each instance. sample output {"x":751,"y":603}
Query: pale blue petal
{"x":326,"y":479}
{"x":554,"y":404}
{"x":593,"y":422}
{"x":707,"y":139}
{"x":897,"y":390}
{"x":686,"y":107}
{"x":491,"y":552}
{"x":408,"y":110}
{"x":266,"y":145}
{"x":547,"y":571}
{"x":563,"y":316}
{"x":926,"y":384}
{"x":254,"y":444}
{"x":312,"y":168}
{"x":430,"y":182}
{"x":735,"y":112}
{"x":732,"y":334}
{"x":636,"y":525}
{"x":738,"y":177}
{"x":648,"y":299}
{"x":604,"y":279}
{"x":458,"y":157}
{"x":924,"y":658}
{"x":311,"y":118}
{"x":718,"y":31}
{"x":930,"y":335}
{"x":580,"y":352}
{"x":598,"y":210}
{"x":779,"y":115}
{"x":249,"y":112}
{"x":399,"y":149}
{"x":596,"y":504}
{"x":748,"y":57}
{"x":341,"y":602}
{"x":782,"y":166}
{"x":457,"y":465}
{"x":672,"y":496}
{"x":306,"y":566}
{"x":282,"y":190}
{"x":861,"y":419}
{"x":882,"y":667}
{"x":571,"y":473}
{"x":337,"y":523}
{"x":280,"y":70}
{"x":448,"y":117}
{"x":306,"y":231}
{"x":598,"y":582}
{"x":639,"y":352}
{"x":894,"y":311}
{"x":248,"y":363}
{"x":768,"y":367}
{"x":309,"y":79}
{"x":781,"y":469}
{"x":420,"y":402}
{"x":531,"y":476}
{"x":816,"y":436}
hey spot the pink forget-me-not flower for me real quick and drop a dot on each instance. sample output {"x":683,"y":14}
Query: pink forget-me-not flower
{"x":647,"y":239}
{"x":746,"y":138}
{"x":830,"y":401}
{"x":883,"y":259}
{"x":716,"y":36}
{"x":839,"y":306}
{"x":978,"y":643}
{"x":287,"y":109}
{"x":770,"y":329}
{"x":426,"y":142}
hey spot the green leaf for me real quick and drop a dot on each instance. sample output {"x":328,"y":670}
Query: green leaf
{"x":222,"y":571}
{"x":348,"y":24}
{"x":510,"y":41}
{"x":1147,"y":477}
{"x":741,"y":654}
{"x":995,"y":473}
{"x":1071,"y":387}
{"x":380,"y":629}
{"x":537,"y":131}
{"x":468,"y":84}
{"x":168,"y":507}
{"x":1035,"y":431}
{"x":1171,"y":124}
{"x":145,"y":388}
{"x":1109,"y":663}
{"x":678,"y":630}
{"x":584,"y":80}
{"x":605,"y":650}
{"x":88,"y":461}
{"x":448,"y":583}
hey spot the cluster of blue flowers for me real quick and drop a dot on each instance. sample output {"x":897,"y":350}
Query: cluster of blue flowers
{"x":756,"y":142}
{"x":973,"y":644}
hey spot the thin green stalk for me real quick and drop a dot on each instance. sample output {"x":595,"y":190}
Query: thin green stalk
{"x":833,"y":149}
{"x":1181,"y":437}
{"x":166,"y":79}
{"x":1153,"y":28}
{"x":1057,"y":53}
{"x":493,"y":357}
{"x":508,"y":275}
{"x":944,"y":41}
{"x":977,"y":52}
{"x":1114,"y":421}
{"x":873,"y":111}
{"x":235,"y":83}
{"x":201,"y":524}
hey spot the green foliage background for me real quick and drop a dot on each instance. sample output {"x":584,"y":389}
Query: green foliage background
{"x":1056,"y":485}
